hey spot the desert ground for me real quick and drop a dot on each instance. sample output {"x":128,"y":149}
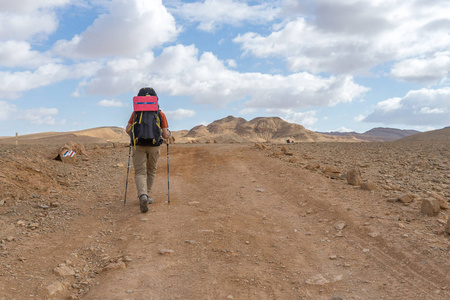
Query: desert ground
{"x":245,"y":221}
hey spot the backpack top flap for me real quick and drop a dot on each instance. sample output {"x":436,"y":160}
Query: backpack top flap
{"x":145,"y":103}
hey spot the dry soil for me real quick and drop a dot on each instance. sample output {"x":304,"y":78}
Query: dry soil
{"x":245,"y":221}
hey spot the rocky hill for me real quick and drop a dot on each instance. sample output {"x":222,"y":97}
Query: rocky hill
{"x":273,"y":129}
{"x":442,"y":135}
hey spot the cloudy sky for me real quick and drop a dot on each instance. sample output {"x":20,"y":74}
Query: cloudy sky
{"x":327,"y":65}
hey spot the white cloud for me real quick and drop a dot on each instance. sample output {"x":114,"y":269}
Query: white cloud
{"x":7,"y":111}
{"x":429,"y":70}
{"x":19,"y":54}
{"x":306,"y":119}
{"x":130,"y":28}
{"x":344,"y":129}
{"x":354,"y":36}
{"x":13,"y":83}
{"x":24,"y":19}
{"x":419,"y":107}
{"x":40,"y":116}
{"x":179,"y":71}
{"x":180,"y":114}
{"x":213,"y":14}
{"x":111,"y":103}
{"x":359,"y":118}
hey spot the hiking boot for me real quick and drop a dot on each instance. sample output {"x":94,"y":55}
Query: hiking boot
{"x":150,"y":200}
{"x":143,"y":203}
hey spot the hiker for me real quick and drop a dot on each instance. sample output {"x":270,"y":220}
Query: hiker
{"x":147,"y":127}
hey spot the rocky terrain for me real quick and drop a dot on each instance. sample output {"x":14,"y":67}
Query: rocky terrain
{"x":321,"y":220}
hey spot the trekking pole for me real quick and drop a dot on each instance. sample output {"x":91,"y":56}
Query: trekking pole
{"x":168,"y":181}
{"x":128,"y":171}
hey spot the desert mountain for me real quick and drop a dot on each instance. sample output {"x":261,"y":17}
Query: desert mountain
{"x":442,"y":135}
{"x":273,"y":129}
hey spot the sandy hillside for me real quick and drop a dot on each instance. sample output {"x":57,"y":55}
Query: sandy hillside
{"x":245,"y":221}
{"x":94,"y":135}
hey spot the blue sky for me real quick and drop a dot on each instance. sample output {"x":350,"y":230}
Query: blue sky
{"x":328,"y":65}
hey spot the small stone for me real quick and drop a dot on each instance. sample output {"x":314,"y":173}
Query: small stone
{"x":165,"y":251}
{"x":430,"y":207}
{"x":35,"y":196}
{"x":354,"y":177}
{"x":366,"y":250}
{"x":368,"y":186}
{"x":63,"y":270}
{"x":442,"y":202}
{"x":33,"y":225}
{"x":247,"y":242}
{"x":374,"y":234}
{"x":230,"y":297}
{"x":407,"y":198}
{"x":340,"y":225}
{"x":447,"y":227}
{"x":333,"y":257}
{"x":55,"y":288}
{"x":192,"y":203}
{"x":116,"y":266}
{"x":10,"y":238}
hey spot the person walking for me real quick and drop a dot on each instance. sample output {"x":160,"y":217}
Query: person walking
{"x":147,"y":130}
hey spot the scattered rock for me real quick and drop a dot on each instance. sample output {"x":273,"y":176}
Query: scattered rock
{"x":56,"y":288}
{"x":165,"y":251}
{"x":407,"y":198}
{"x":430,"y":207}
{"x":354,"y":177}
{"x":368,"y":186}
{"x":192,"y":203}
{"x":33,"y":226}
{"x":313,"y":166}
{"x":63,"y":270}
{"x":442,"y":202}
{"x":340,"y":225}
{"x":447,"y":227}
{"x":332,"y":172}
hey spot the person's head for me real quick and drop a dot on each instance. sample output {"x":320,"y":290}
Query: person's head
{"x":147,"y":91}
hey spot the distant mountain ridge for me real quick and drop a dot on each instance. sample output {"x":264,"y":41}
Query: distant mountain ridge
{"x":238,"y":130}
{"x":378,"y":134}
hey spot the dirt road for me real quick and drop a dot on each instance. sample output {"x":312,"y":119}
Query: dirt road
{"x":240,"y":225}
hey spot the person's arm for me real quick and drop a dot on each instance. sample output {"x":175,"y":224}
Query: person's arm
{"x":165,"y":133}
{"x":128,"y":128}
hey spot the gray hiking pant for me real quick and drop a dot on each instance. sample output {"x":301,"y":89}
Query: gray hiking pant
{"x":145,"y":161}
